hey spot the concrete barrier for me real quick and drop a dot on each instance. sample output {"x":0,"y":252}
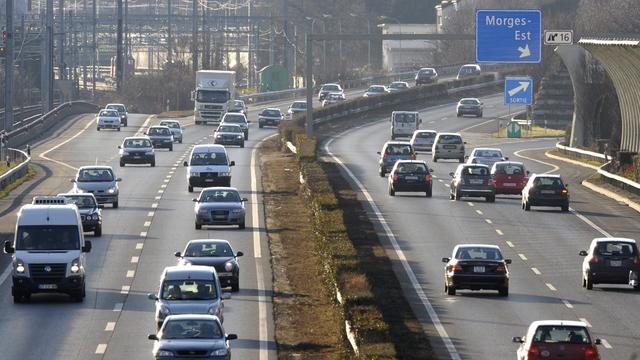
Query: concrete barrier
{"x":18,"y":171}
{"x":581,"y":154}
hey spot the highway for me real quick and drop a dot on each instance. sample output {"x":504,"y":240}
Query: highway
{"x":544,"y":244}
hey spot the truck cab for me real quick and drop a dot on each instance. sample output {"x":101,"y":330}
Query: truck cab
{"x":48,"y":252}
{"x":213,"y":96}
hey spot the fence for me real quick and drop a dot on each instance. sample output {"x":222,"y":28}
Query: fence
{"x":12,"y":156}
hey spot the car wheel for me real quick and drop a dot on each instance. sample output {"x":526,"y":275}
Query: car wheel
{"x":180,"y":141}
{"x":246,"y":136}
{"x":242,"y":225}
{"x":565,"y":208}
{"x":429,"y":192}
{"x":458,"y":115}
{"x":491,"y":199}
{"x":118,"y":129}
{"x":115,"y":204}
{"x":588,"y":283}
{"x":78,"y":296}
{"x":391,"y":191}
{"x":121,"y":163}
{"x":153,"y":163}
{"x":171,"y":148}
{"x":242,"y":144}
{"x":260,"y":126}
{"x":451,"y":196}
{"x":393,"y":137}
{"x":479,"y":115}
{"x":98,"y":128}
{"x":458,"y":196}
{"x":503,"y":291}
{"x":235,"y":287}
{"x":451,"y":290}
{"x":198,"y":226}
{"x":190,"y":188}
{"x":98,"y":231}
{"x":435,"y":159}
{"x":636,"y":287}
{"x":461,"y":160}
{"x":381,"y":172}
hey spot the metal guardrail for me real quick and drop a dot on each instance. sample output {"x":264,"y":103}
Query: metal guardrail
{"x":17,"y":171}
{"x":581,"y":153}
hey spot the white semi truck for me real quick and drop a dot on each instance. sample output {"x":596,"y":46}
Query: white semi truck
{"x":213,"y":96}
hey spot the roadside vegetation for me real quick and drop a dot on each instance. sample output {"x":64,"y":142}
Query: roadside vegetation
{"x":9,"y":188}
{"x":533,"y":132}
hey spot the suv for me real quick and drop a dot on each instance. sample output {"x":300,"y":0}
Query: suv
{"x":269,"y":116}
{"x":99,"y":181}
{"x":208,"y":165}
{"x":426,"y":76}
{"x":161,"y":137}
{"x":448,"y":146}
{"x":237,"y":119}
{"x":89,"y":210}
{"x":137,"y":150}
{"x":48,"y":252}
{"x":122,"y":111}
{"x":393,"y":151}
{"x":472,"y":180}
{"x":468,"y":70}
{"x":610,"y":261}
{"x":545,"y":190}
{"x":188,"y":290}
{"x":175,"y":127}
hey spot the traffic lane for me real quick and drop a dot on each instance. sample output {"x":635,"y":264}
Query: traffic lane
{"x":169,"y":232}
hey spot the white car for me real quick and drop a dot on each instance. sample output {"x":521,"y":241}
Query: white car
{"x":556,"y":339}
{"x":375,"y":90}
{"x":108,"y":119}
{"x":175,"y":127}
{"x":486,"y":156}
{"x":333,"y":98}
{"x":398,"y":86}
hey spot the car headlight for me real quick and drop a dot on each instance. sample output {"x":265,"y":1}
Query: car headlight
{"x":219,"y":352}
{"x":224,"y":173}
{"x":19,"y":266}
{"x":75,"y":266}
{"x":212,"y":311}
{"x":149,"y":152}
{"x":239,"y":137}
{"x":228,"y":266}
{"x":203,"y":210}
{"x":194,"y":173}
{"x":95,"y":217}
{"x":164,"y":310}
{"x":218,"y":136}
{"x":164,"y":353}
{"x":112,"y":190}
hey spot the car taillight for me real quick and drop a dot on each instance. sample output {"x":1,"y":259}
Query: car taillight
{"x":427,"y":178}
{"x":395,"y":178}
{"x":501,"y":268}
{"x":413,"y":156}
{"x":455,"y":268}
{"x":492,"y":181}
{"x":384,"y":157}
{"x":636,"y":260}
{"x":590,"y":352}
{"x":593,"y":260}
{"x":564,"y":192}
{"x":534,"y":351}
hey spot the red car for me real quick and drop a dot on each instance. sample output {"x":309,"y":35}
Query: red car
{"x":509,"y":177}
{"x":557,"y":339}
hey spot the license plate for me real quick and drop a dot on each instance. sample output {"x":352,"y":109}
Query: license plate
{"x":208,"y":180}
{"x":475,"y":181}
{"x":220,"y":217}
{"x":225,"y":274}
{"x":136,"y":157}
{"x":449,"y":146}
{"x":547,"y":192}
{"x":615,"y":263}
{"x":478,"y":269}
{"x":509,"y":184}
{"x":47,"y":286}
{"x":411,"y":177}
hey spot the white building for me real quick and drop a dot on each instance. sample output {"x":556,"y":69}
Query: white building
{"x":446,"y":10}
{"x":400,"y":55}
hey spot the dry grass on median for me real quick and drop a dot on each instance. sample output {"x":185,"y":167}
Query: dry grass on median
{"x":536,"y":131}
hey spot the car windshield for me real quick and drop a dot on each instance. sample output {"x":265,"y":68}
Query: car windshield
{"x":405,"y":118}
{"x":376,"y":89}
{"x":488,"y":153}
{"x":170,"y":124}
{"x":137,"y":143}
{"x":426,"y":135}
{"x":191,"y":329}
{"x":299,"y":105}
{"x":212,"y":96}
{"x":478,"y":253}
{"x":615,"y":249}
{"x":218,"y":196}
{"x":81,"y":201}
{"x":450,"y":139}
{"x":561,"y":334}
{"x":331,"y":88}
{"x":398,"y":85}
{"x":510,"y":169}
{"x":159,"y":131}
{"x":426,"y":72}
{"x":234,"y":119}
{"x":274,"y":113}
{"x":208,"y":249}
{"x":552,"y":182}
{"x":412,"y":168}
{"x":109,"y":113}
{"x":398,"y":149}
{"x":468,"y":70}
{"x":199,"y":159}
{"x":469,"y":102}
{"x":47,"y":237}
{"x":475,"y":171}
{"x":93,"y":175}
{"x":118,"y":108}
{"x":229,"y":129}
{"x":238,"y":104}
{"x":189,"y":290}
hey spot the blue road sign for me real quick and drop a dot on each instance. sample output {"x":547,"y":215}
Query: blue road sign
{"x":508,"y":36}
{"x":518,"y":90}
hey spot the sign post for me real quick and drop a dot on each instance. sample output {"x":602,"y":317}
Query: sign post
{"x":509,"y":36}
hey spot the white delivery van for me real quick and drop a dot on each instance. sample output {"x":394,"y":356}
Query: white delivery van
{"x":208,"y":165}
{"x":48,"y":252}
{"x":404,"y":123}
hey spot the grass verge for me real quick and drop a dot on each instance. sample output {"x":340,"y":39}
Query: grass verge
{"x":7,"y":190}
{"x":535,"y":132}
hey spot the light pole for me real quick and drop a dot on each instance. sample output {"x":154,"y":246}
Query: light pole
{"x":324,"y":43}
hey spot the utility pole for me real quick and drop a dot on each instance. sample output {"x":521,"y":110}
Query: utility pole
{"x":119,"y":62}
{"x":249,"y":41}
{"x":169,"y":38}
{"x":94,"y":48}
{"x":272,"y":30}
{"x":194,"y":37}
{"x":205,"y":44}
{"x":125,"y":55}
{"x":61,"y":65}
{"x":308,"y":78}
{"x":8,"y":69}
{"x":46,"y":62}
{"x":285,"y":50}
{"x":84,"y":45}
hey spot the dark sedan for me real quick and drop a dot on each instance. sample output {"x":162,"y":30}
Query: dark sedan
{"x":90,"y":213}
{"x":219,"y":206}
{"x":545,"y":190}
{"x":476,"y":267}
{"x":137,"y":150}
{"x":161,"y":137}
{"x":215,"y":253}
{"x":611,"y":261}
{"x":412,"y":176}
{"x":473,"y":180}
{"x":426,"y":76}
{"x":192,"y":336}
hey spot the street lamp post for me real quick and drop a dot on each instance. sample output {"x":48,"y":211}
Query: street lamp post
{"x":324,"y":43}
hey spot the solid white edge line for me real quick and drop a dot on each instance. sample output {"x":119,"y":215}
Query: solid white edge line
{"x":590,"y":223}
{"x":554,"y":167}
{"x":435,"y":320}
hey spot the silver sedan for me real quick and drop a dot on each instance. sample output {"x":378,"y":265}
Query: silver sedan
{"x":219,"y":206}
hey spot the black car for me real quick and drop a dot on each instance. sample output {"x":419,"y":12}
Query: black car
{"x":137,"y":150}
{"x":611,"y":261}
{"x":269,"y":116}
{"x":238,"y":119}
{"x":476,"y":267}
{"x":161,"y":137}
{"x":411,"y":176}
{"x":472,"y":180}
{"x":545,"y":190}
{"x":215,"y":253}
{"x":90,"y":213}
{"x":426,"y":76}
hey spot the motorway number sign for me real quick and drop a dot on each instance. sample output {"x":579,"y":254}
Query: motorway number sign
{"x":508,"y":36}
{"x":558,"y":37}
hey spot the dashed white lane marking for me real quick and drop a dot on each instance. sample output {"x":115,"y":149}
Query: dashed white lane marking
{"x":567,"y":304}
{"x":510,"y":244}
{"x":161,"y":191}
{"x":432,"y":122}
{"x":551,"y":287}
{"x":606,"y":344}
{"x":163,"y":186}
{"x":172,"y":170}
{"x":125,"y":289}
{"x":584,"y":320}
{"x":499,"y":232}
{"x":143,"y":234}
{"x":166,"y":180}
{"x":158,"y":197}
{"x":426,"y":303}
{"x":479,"y":212}
{"x":488,"y":221}
{"x":471,"y":204}
{"x":154,"y":205}
{"x":131,"y":273}
{"x":135,"y":259}
{"x":524,"y":258}
{"x":169,"y":176}
{"x":110,"y":326}
{"x":147,"y":224}
{"x":536,"y":271}
{"x":447,"y":185}
{"x":139,"y":246}
{"x":100,"y":350}
{"x":440,"y":180}
{"x":118,"y":307}
{"x":151,"y":213}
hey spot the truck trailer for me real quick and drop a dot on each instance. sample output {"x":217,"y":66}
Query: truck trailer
{"x":213,"y":96}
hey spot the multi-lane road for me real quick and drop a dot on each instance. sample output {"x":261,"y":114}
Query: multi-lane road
{"x":544,"y":244}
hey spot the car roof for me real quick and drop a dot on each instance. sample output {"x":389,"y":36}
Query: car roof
{"x":427,"y":68}
{"x":556,"y":176}
{"x":278,"y":109}
{"x":331,"y":84}
{"x":189,"y":272}
{"x":508,"y":163}
{"x":95,"y":167}
{"x":169,"y":120}
{"x":400,"y":82}
{"x":136,"y":138}
{"x":159,"y":126}
{"x":459,"y":246}
{"x":296,"y":102}
{"x":208,"y":148}
{"x":486,"y":148}
{"x":538,"y":323}
{"x":219,"y":188}
{"x":474,"y":65}
{"x":469,"y":98}
{"x":234,"y":113}
{"x":397,"y":143}
{"x":193,"y":317}
{"x":616,"y":239}
{"x":229,"y":124}
{"x":411,"y":162}
{"x":448,"y":133}
{"x":201,"y":241}
{"x":114,"y":104}
{"x":404,"y":112}
{"x":424,"y":131}
{"x":77,"y":194}
{"x":473,"y":165}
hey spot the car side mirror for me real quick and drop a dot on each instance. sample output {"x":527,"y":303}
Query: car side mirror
{"x":100,"y":206}
{"x":239,"y":253}
{"x":233,"y":163}
{"x":152,"y":337}
{"x":177,"y":254}
{"x":430,"y":170}
{"x":507,"y":261}
{"x":225,"y":296}
{"x":466,"y":156}
{"x":378,"y":152}
{"x":566,"y":185}
{"x":119,"y":179}
{"x":583,"y":253}
{"x":445,"y":259}
{"x":232,"y":337}
{"x":528,"y":172}
{"x":517,"y":339}
{"x":451,"y":174}
{"x":597,"y":342}
{"x":87,"y":246}
{"x":152,"y":296}
{"x":464,"y":142}
{"x":194,"y":200}
{"x":244,"y":199}
{"x":8,"y":247}
{"x":72,"y":180}
{"x":119,"y":146}
{"x":185,"y":164}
